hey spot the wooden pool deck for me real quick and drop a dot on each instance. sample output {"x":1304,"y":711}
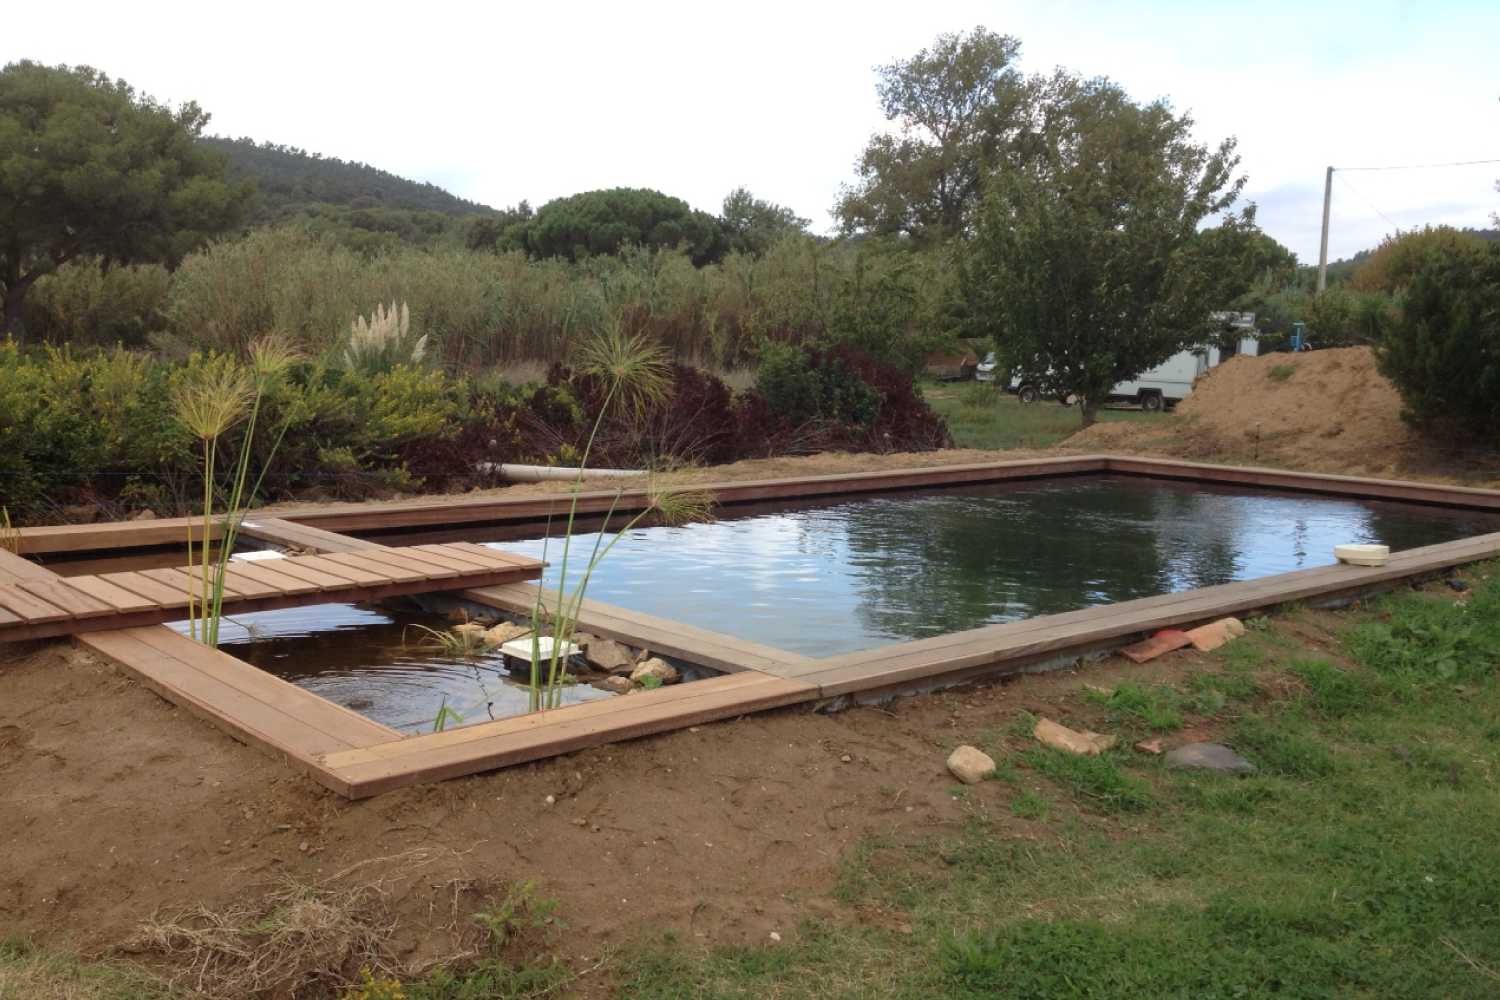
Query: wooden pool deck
{"x":357,"y":757}
{"x":39,"y":607}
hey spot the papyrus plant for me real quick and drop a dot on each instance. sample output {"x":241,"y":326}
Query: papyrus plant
{"x":212,"y":398}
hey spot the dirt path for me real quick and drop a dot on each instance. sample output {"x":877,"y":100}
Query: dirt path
{"x":119,"y":806}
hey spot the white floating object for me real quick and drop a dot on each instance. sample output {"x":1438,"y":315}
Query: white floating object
{"x":521,"y":649}
{"x":260,"y":555}
{"x":1362,"y":555}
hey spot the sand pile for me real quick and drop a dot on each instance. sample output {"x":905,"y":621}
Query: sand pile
{"x":1325,"y":410}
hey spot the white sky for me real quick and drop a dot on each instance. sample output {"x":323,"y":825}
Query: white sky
{"x":501,"y":101}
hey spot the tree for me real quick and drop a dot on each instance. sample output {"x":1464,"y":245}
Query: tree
{"x":751,"y":225}
{"x":954,"y":105}
{"x":601,"y":222}
{"x":1401,"y":255}
{"x":1443,"y":352}
{"x":1087,"y":258}
{"x":89,"y":167}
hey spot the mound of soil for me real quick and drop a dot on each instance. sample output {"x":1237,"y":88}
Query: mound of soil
{"x":1329,"y":411}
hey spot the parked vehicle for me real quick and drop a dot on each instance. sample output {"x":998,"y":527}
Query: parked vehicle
{"x":985,"y":370}
{"x":1162,"y":387}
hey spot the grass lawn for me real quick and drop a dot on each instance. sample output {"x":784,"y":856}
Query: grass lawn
{"x":982,"y":415}
{"x":1361,"y":860}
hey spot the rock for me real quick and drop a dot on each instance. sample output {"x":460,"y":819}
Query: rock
{"x":1062,"y":738}
{"x":608,"y":655}
{"x":458,"y":615}
{"x":468,"y":628}
{"x":1214,"y":756}
{"x":1101,"y":741}
{"x":658,"y":668}
{"x":1215,"y":634}
{"x":619,"y":685}
{"x":1153,"y":745}
{"x":504,"y":632}
{"x":146,"y":515}
{"x":970,"y":765}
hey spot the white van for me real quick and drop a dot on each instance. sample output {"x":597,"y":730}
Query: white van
{"x":1162,"y":387}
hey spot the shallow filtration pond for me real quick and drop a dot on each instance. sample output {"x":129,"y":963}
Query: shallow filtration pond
{"x":827,"y":578}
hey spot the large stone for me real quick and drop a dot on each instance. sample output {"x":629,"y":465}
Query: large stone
{"x":1213,"y":635}
{"x":1214,"y":756}
{"x":655,"y":667}
{"x":970,"y":765}
{"x":609,"y":656}
{"x":1060,"y":737}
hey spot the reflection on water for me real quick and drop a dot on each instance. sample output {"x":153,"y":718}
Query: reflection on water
{"x":830,"y":578}
{"x":840,"y":577}
{"x":376,"y":663}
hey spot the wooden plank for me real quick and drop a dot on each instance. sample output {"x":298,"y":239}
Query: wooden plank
{"x":372,"y":561}
{"x":241,"y":585}
{"x":465,"y":564}
{"x":712,"y":649}
{"x":75,"y":602}
{"x":226,"y":685}
{"x":14,"y":569}
{"x":497,"y":744}
{"x":296,"y":569}
{"x":406,"y":564}
{"x":283,"y":532}
{"x":8,"y":617}
{"x":150,"y":589}
{"x":28,"y":607}
{"x":363,"y":575}
{"x":486,"y":556}
{"x":118,"y":598}
{"x":178,"y":581}
{"x":281,"y":582}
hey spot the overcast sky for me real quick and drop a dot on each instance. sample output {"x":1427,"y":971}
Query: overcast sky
{"x":499,"y":102}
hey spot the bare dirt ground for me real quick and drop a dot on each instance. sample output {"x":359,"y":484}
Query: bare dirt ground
{"x":119,"y":806}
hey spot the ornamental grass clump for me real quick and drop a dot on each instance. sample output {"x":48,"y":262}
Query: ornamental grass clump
{"x":384,"y":341}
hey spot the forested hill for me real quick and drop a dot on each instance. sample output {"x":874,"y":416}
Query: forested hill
{"x":290,"y":176}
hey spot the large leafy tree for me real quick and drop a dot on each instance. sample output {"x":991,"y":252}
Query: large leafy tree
{"x":752,"y":225}
{"x":1443,"y":353}
{"x":1087,"y":259}
{"x":953,"y":106}
{"x":88,"y":167}
{"x":602,"y":222}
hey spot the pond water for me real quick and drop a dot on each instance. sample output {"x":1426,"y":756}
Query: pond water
{"x":825,"y":578}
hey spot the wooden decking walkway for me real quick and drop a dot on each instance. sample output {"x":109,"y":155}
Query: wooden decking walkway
{"x":358,"y":757}
{"x":47,"y":606}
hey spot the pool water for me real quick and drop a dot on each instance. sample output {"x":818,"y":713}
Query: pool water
{"x":825,"y":578}
{"x":840,"y":577}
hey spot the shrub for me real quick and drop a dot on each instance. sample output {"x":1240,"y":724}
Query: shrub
{"x":1443,"y":353}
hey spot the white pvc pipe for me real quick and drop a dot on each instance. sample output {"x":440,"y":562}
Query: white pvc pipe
{"x":538,"y":473}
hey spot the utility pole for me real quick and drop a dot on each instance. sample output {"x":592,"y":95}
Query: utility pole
{"x":1323,"y":251}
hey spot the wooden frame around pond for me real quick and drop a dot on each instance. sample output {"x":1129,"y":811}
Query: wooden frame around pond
{"x":358,"y":757}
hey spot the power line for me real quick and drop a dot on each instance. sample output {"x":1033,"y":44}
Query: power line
{"x":1367,"y":201}
{"x":1424,"y":166}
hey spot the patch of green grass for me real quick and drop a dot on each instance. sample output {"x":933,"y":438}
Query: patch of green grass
{"x":986,"y":417}
{"x":1280,"y":372}
{"x":1157,"y":706}
{"x":1098,"y":780}
{"x":1031,"y":804}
